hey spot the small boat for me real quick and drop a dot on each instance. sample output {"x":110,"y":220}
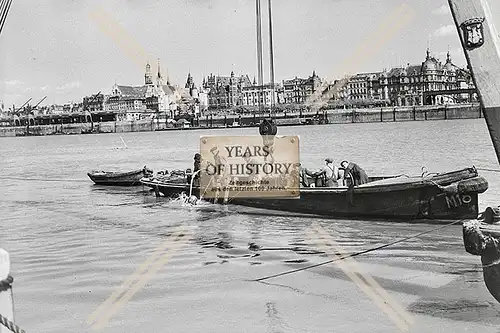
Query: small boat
{"x":440,"y":197}
{"x":130,"y":178}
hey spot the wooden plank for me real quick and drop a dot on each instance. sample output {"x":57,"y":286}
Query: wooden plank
{"x":482,"y":50}
{"x":6,"y":302}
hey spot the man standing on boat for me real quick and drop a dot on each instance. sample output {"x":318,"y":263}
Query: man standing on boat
{"x":197,"y":167}
{"x":330,"y":173}
{"x":359,"y":175}
{"x":218,"y":180}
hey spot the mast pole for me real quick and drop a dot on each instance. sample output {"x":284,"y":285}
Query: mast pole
{"x":271,"y":55}
{"x":259,"y":50}
{"x":481,"y":46}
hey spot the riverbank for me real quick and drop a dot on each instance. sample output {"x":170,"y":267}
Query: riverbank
{"x":393,"y":114}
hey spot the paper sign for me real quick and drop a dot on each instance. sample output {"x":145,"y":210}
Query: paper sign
{"x":249,"y":166}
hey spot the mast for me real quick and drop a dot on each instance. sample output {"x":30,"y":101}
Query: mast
{"x":259,"y":50}
{"x":271,"y":55}
{"x":481,"y":45}
{"x":479,"y":39}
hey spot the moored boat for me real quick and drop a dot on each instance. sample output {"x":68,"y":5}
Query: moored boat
{"x":130,"y":178}
{"x":446,"y":196}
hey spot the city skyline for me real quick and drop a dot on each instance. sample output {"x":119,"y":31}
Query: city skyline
{"x":60,"y":52}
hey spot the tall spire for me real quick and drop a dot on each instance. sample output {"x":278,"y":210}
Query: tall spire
{"x":159,"y":72}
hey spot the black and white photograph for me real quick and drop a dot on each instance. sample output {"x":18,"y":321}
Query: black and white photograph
{"x":250,"y":165}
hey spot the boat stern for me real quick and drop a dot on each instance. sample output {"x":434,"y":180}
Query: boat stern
{"x":458,"y":197}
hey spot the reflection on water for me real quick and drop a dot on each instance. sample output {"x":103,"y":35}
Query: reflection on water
{"x":73,"y":243}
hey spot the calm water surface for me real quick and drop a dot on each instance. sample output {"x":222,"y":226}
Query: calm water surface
{"x":73,"y":244}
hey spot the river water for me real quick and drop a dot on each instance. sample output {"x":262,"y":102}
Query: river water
{"x":73,"y":244}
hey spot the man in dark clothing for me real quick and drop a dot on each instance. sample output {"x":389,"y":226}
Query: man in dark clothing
{"x":359,"y":175}
{"x":197,"y":162}
{"x":197,"y":165}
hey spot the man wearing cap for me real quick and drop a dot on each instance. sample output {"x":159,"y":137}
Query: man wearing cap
{"x":359,"y":175}
{"x":330,"y":173}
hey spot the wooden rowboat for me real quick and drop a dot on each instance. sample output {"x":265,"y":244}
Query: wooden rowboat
{"x":441,"y":197}
{"x":130,"y":178}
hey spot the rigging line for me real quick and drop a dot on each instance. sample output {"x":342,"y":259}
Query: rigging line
{"x":357,"y":253}
{"x":4,"y":14}
{"x":44,"y":179}
{"x":486,"y":169}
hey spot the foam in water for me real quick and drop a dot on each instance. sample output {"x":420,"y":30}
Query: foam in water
{"x":186,"y":200}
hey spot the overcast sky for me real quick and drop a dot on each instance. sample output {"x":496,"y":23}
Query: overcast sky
{"x":60,"y":48}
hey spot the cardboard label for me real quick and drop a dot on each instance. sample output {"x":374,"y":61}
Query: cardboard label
{"x":249,"y":166}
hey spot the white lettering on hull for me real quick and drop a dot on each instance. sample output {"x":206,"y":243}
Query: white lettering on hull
{"x":457,"y":200}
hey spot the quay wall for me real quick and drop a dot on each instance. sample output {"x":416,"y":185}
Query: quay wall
{"x":404,"y":114}
{"x":334,"y":116}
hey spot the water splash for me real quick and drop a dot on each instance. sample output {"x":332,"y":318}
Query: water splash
{"x":189,"y":200}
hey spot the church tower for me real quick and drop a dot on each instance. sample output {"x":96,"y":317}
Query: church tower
{"x":189,"y":82}
{"x":148,"y":77}
{"x":159,"y":78}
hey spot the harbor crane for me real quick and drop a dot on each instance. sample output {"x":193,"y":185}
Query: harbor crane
{"x":92,"y":98}
{"x":13,"y":109}
{"x":28,"y":109}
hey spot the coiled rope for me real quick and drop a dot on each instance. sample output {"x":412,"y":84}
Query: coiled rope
{"x":358,"y":253}
{"x":6,"y":284}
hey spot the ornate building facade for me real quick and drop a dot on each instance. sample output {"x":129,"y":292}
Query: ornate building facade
{"x":298,"y":90}
{"x":225,"y":91}
{"x":138,"y":102}
{"x":256,"y":95}
{"x":189,"y":98}
{"x":429,"y":83}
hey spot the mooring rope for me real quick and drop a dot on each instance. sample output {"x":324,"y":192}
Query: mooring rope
{"x":486,"y":169}
{"x":358,"y":253}
{"x":6,"y":284}
{"x":493,"y":263}
{"x":44,"y":179}
{"x":10,"y":325}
